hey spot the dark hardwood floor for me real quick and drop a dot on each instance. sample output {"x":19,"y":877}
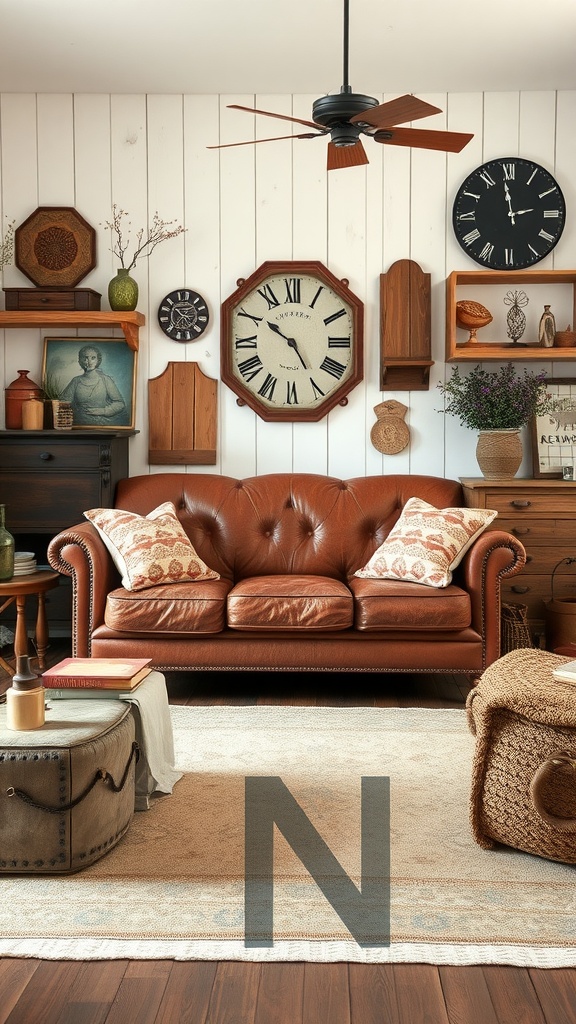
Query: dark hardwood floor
{"x":228,"y":992}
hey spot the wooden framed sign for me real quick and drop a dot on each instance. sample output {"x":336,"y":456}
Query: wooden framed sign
{"x":554,"y":434}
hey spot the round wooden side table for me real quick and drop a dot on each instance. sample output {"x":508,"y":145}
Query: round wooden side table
{"x":17,"y":589}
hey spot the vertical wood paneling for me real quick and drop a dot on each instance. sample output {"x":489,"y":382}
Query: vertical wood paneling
{"x":244,"y":205}
{"x":202,"y":221}
{"x":19,"y":158}
{"x":347,"y":259}
{"x":427,"y":232}
{"x":129,"y":190}
{"x":56,"y":172}
{"x":310,"y":242}
{"x":273,"y":242}
{"x":238,"y":260}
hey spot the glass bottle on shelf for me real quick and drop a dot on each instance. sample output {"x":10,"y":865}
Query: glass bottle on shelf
{"x":6,"y":549}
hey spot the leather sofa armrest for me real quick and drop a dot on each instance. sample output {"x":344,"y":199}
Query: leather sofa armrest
{"x":79,"y":553}
{"x":494,"y":556}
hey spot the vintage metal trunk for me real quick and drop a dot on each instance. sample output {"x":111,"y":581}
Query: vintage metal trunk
{"x":66,"y":789}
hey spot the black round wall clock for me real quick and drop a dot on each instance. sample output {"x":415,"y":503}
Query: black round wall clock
{"x":183,"y":315}
{"x":508,"y":214}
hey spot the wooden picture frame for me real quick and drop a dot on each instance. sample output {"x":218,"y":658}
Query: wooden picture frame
{"x":554,"y":435}
{"x":106,"y":377}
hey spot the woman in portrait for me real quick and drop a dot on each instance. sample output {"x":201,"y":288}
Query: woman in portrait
{"x":94,"y":395}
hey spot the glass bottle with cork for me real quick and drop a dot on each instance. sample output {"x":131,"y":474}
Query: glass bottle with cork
{"x":6,"y":548}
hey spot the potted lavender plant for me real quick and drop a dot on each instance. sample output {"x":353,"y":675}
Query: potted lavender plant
{"x":496,"y":403}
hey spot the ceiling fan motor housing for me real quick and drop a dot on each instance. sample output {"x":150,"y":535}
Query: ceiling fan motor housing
{"x":334,"y":112}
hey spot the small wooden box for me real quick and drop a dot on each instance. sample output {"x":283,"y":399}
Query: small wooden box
{"x":52,"y":298}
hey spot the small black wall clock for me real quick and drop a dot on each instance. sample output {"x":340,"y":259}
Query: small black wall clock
{"x":509,"y":214}
{"x":183,"y":315}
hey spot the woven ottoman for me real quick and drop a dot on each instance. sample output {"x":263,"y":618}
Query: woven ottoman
{"x":523,"y":791}
{"x":66,"y":789}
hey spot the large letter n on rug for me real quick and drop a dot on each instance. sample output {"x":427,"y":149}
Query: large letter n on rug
{"x":365,"y":912}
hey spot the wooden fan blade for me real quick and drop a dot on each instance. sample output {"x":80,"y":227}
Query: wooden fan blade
{"x":346,"y":156}
{"x":422,"y":138}
{"x":281,"y":117}
{"x":276,"y":138}
{"x":398,"y":111}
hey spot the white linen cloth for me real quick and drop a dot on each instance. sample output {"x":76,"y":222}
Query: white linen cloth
{"x":155,"y":771}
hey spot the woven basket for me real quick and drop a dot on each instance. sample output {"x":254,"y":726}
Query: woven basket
{"x":514,"y":628}
{"x":523,"y":790}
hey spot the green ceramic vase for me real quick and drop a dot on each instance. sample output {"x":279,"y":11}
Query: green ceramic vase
{"x":123,"y":292}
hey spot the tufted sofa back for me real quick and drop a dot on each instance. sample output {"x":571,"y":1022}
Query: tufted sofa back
{"x":285,"y":522}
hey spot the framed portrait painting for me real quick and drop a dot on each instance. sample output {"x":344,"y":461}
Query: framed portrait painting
{"x":554,"y":435}
{"x":97,"y":376}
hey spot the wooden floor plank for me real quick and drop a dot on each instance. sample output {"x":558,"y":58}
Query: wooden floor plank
{"x":187,"y":995}
{"x":45,"y":997}
{"x":14,"y":977}
{"x":280,"y":994}
{"x":513,"y":995}
{"x":466,"y":995}
{"x":556,"y":991}
{"x":235,"y":993}
{"x":373,"y":998}
{"x":140,"y":993}
{"x":419,"y":994}
{"x":93,"y":992}
{"x":326,"y":994}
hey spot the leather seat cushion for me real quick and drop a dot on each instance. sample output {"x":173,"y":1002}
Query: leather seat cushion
{"x":290,"y":602}
{"x":390,"y":604}
{"x":198,"y":607}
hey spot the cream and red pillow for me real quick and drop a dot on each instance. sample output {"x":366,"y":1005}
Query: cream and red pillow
{"x":148,"y":550}
{"x":427,"y":543}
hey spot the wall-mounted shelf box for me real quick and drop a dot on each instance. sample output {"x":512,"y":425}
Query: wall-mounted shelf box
{"x":129,"y":322}
{"x":405,"y":328}
{"x":466,"y":284}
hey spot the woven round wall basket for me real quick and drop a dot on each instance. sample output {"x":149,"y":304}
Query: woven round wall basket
{"x":499,"y":453}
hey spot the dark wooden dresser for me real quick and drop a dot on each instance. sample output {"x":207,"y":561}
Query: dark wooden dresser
{"x":48,"y":478}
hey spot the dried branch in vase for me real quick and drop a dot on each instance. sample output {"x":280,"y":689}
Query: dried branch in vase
{"x":159,"y":231}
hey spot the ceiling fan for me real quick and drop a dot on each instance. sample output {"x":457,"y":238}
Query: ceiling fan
{"x":348,"y":115}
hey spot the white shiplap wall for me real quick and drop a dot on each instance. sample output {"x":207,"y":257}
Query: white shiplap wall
{"x":245,"y":205}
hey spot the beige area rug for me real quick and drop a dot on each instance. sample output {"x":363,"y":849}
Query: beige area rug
{"x":173,"y":888}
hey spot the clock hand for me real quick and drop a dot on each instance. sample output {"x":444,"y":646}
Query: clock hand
{"x":292,"y":344}
{"x":509,"y":201}
{"x":518,"y":212}
{"x":291,"y":341}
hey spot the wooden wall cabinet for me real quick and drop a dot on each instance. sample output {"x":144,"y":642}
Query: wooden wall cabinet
{"x":405,"y":328}
{"x":542,"y":515}
{"x":48,"y":478}
{"x":457,"y":350}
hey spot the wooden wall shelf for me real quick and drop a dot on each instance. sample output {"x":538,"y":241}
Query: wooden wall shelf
{"x":129,"y":322}
{"x":503,"y":351}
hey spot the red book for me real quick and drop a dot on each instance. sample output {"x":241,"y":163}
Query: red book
{"x":99,"y":673}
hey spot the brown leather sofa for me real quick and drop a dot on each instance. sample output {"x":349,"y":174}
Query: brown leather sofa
{"x":295,"y":540}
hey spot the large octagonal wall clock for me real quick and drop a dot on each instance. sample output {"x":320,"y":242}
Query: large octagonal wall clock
{"x":509,"y":214}
{"x":292,"y":341}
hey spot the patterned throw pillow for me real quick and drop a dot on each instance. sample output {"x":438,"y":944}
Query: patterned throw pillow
{"x":148,"y":550}
{"x":427,"y":543}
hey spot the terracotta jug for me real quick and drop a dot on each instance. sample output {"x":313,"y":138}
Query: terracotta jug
{"x":19,"y":391}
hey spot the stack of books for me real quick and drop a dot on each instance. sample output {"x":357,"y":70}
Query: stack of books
{"x":89,"y":678}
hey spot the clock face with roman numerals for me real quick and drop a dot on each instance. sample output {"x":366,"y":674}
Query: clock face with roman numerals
{"x":508,"y":214}
{"x":291,"y":342}
{"x":183,"y":315}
